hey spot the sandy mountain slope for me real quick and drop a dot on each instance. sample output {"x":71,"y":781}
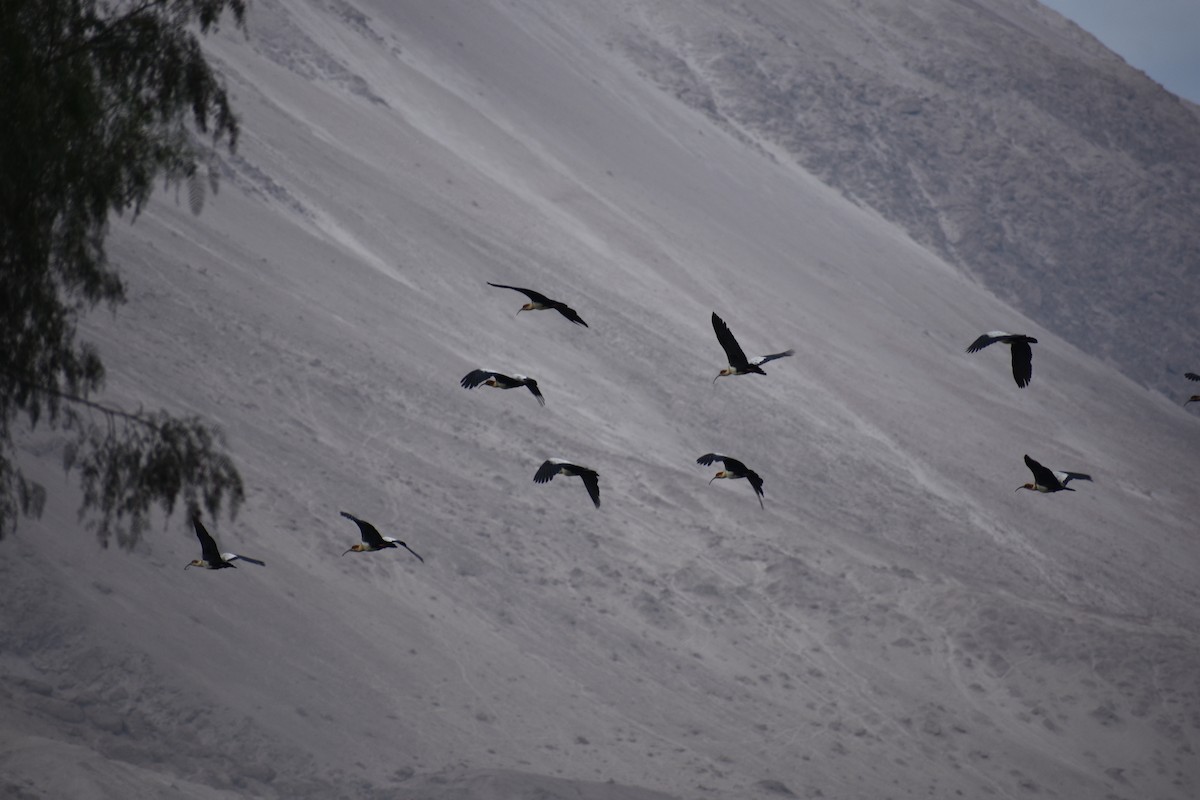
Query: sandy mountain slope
{"x":999,"y":134}
{"x":896,"y":622}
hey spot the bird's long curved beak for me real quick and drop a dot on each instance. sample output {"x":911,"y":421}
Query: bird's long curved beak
{"x":710,"y":480}
{"x":351,"y":550}
{"x":185,"y":566}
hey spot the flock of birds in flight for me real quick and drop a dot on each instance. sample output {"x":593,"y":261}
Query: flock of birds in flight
{"x":1045,"y":480}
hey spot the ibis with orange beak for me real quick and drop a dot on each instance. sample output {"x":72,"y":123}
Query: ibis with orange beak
{"x":372,"y":539}
{"x":211,"y":557}
{"x":738,"y":363}
{"x":1046,"y":480}
{"x":539,"y":302}
{"x":733,"y":469}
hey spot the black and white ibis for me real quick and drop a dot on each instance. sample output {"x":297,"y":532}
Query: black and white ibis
{"x":1022,"y":353}
{"x":373,"y":540}
{"x":556,"y":466}
{"x":733,"y":469}
{"x":499,"y":380}
{"x":211,"y":557}
{"x":1046,"y":480}
{"x":539,"y":302}
{"x":738,"y":363}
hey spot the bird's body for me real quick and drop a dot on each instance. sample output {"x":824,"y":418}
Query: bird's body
{"x":211,"y":557}
{"x":499,"y":380}
{"x":1046,"y":480}
{"x":557,"y":466}
{"x":738,"y":363}
{"x":539,"y":302}
{"x":1022,"y":353}
{"x":373,"y":540}
{"x":733,"y":469}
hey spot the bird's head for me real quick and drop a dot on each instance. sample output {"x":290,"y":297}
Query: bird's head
{"x":721,"y":474}
{"x":354,"y":549}
{"x":1031,"y":487}
{"x":1193,"y":399}
{"x":723,"y":373}
{"x":526,"y":307}
{"x":195,"y":562}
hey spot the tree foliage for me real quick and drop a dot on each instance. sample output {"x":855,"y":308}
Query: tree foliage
{"x":98,"y":100}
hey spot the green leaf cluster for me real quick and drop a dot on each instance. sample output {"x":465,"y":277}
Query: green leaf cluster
{"x":97,"y":101}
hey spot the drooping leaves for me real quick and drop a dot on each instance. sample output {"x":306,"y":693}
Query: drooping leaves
{"x":97,"y":100}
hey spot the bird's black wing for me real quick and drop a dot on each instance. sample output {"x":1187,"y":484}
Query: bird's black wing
{"x":1067,"y":477}
{"x":370,"y":534}
{"x":733,"y":350}
{"x":708,"y":458}
{"x":591,"y":479}
{"x":536,"y":297}
{"x":758,"y":362}
{"x":1042,"y":476}
{"x":208,"y":547}
{"x":983,"y":341}
{"x":533,"y":387}
{"x":736,"y":467}
{"x":546,"y":471}
{"x":1191,"y":376}
{"x":1022,"y":361}
{"x":757,"y":483}
{"x":477,"y":376}
{"x":568,"y":312}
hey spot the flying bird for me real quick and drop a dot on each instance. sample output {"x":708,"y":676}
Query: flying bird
{"x":1046,"y":480}
{"x":373,"y":540}
{"x":556,"y":466}
{"x":501,"y":381}
{"x":733,"y":469}
{"x":539,"y":302}
{"x":212,"y":558}
{"x":738,"y":363}
{"x":1022,"y":354}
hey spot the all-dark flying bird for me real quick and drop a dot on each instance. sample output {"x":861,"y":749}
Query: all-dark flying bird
{"x":500,"y":381}
{"x":733,"y":469}
{"x":738,"y":363}
{"x":211,"y":557}
{"x":1022,"y":353}
{"x":539,"y":302}
{"x":373,"y":540}
{"x":1191,"y":376}
{"x":1046,"y":480}
{"x":556,"y":466}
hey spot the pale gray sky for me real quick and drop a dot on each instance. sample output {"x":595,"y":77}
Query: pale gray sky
{"x":1159,"y":37}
